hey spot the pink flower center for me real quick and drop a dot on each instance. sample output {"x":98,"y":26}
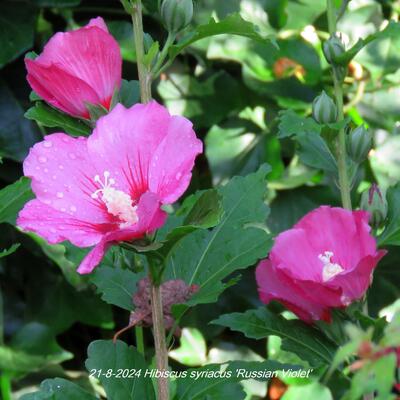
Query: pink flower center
{"x":329,"y":269}
{"x":118,"y":203}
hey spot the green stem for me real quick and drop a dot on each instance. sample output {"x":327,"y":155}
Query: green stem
{"x":5,"y":386}
{"x":163,"y":55}
{"x":139,"y":339}
{"x":344,"y":184}
{"x":145,"y":78}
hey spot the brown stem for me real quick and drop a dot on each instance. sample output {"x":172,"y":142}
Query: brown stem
{"x":159,"y":340}
{"x":145,"y":80}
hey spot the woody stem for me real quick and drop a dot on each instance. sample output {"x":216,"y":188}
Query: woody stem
{"x":145,"y":80}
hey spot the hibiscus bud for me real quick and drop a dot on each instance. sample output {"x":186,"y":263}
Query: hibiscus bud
{"x":375,"y":203}
{"x":324,"y":109}
{"x":333,"y":48}
{"x":176,"y":14}
{"x":359,"y":144}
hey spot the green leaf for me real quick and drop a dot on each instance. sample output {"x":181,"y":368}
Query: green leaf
{"x":391,"y":234}
{"x":292,"y":124}
{"x":33,"y":347}
{"x":197,"y":385}
{"x":50,"y":117}
{"x":277,"y":15}
{"x":315,"y":152}
{"x":17,"y":25}
{"x":206,"y":257}
{"x":313,"y":390}
{"x":77,"y":306}
{"x":116,"y":286}
{"x":123,"y":33}
{"x":202,"y":210}
{"x":59,"y":389}
{"x":105,"y":355}
{"x":17,"y":134}
{"x":297,"y":337}
{"x":198,"y":100}
{"x":392,"y":31}
{"x":233,"y":24}
{"x":7,"y":252}
{"x":67,"y":257}
{"x":12,"y":199}
{"x":192,"y":350}
{"x":129,"y":93}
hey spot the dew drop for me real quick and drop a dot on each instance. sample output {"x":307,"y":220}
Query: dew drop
{"x":42,"y":159}
{"x":73,"y":208}
{"x":61,"y":167}
{"x":47,"y":144}
{"x":178,"y":176}
{"x":72,"y":156}
{"x":60,"y":195}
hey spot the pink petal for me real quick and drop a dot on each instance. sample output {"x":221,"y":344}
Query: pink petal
{"x":90,"y":54}
{"x":99,"y":22}
{"x":56,"y":226}
{"x":355,"y":282}
{"x":273,"y":284}
{"x":152,"y":149}
{"x":341,"y":231}
{"x":60,"y":89}
{"x":173,"y":161}
{"x":293,"y":252}
{"x":63,"y":178}
{"x":150,"y":217}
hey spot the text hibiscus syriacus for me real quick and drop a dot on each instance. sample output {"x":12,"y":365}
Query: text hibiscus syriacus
{"x":109,"y":187}
{"x":326,"y":260}
{"x":76,"y":68}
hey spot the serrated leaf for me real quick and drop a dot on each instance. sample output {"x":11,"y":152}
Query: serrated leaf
{"x":207,"y":257}
{"x":50,"y":117}
{"x":59,"y":389}
{"x":391,"y":234}
{"x":297,"y":337}
{"x":105,"y":355}
{"x":12,"y":199}
{"x":292,"y":124}
{"x":233,"y":24}
{"x":315,"y":153}
{"x":116,"y":285}
{"x":7,"y":252}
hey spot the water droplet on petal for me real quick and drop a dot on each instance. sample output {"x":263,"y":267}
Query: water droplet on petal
{"x":72,"y":156}
{"x":42,"y":159}
{"x":178,"y":176}
{"x":60,"y":195}
{"x":73,"y":208}
{"x":61,"y":167}
{"x":47,"y":144}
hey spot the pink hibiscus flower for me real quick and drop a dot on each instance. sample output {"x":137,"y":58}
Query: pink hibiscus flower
{"x":326,"y":260}
{"x":78,"y":67}
{"x":109,"y":187}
